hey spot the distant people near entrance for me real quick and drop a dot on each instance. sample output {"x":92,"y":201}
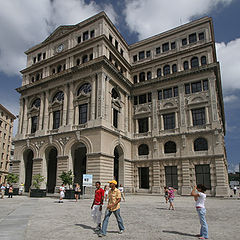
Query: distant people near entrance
{"x":62,"y":193}
{"x":171,"y":197}
{"x":166,"y":194}
{"x":121,"y":189}
{"x":97,"y":206}
{"x":106,"y":190}
{"x":3,"y":190}
{"x":10,"y":191}
{"x":200,"y":197}
{"x":77,"y":191}
{"x":114,"y":198}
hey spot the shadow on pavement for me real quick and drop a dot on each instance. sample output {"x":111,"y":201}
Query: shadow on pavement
{"x":180,"y":233}
{"x":85,"y":226}
{"x":161,"y":208}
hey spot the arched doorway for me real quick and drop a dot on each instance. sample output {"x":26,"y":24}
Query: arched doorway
{"x":28,"y":159}
{"x":79,"y":157}
{"x":51,"y":156}
{"x":118,"y":165}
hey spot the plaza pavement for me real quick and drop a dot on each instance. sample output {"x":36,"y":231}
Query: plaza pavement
{"x":145,"y":217}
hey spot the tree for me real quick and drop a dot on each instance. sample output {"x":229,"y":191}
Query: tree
{"x":67,"y":178}
{"x":37,"y":180}
{"x":12,"y":178}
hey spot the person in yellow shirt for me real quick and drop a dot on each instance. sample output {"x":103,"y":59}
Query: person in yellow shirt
{"x":114,"y":199}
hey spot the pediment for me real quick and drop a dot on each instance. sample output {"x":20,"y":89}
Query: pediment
{"x":168,"y":104}
{"x":197,"y":99}
{"x":143,"y":109}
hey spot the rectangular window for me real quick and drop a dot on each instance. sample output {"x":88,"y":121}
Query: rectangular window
{"x":192,"y":38}
{"x":143,"y":125}
{"x":34,"y":60}
{"x":203,"y":175}
{"x":92,"y":34}
{"x":169,"y":121}
{"x":0,"y":123}
{"x":149,"y":97}
{"x":148,"y":54}
{"x":175,"y":91}
{"x":165,"y":47}
{"x":91,"y":56}
{"x":39,"y":57}
{"x":196,"y":87}
{"x":173,"y":45}
{"x":115,"y":118}
{"x":160,"y":95}
{"x":34,"y":124}
{"x":135,"y":100}
{"x":56,"y":119}
{"x":171,"y":176}
{"x":201,"y":36}
{"x":83,"y":109}
{"x":85,"y":36}
{"x":184,"y":41}
{"x":205,"y":85}
{"x":187,"y":88}
{"x":116,"y":44}
{"x":79,"y":39}
{"x":198,"y":116}
{"x":167,"y":93}
{"x":142,"y":99}
{"x":121,"y":51}
{"x":110,"y":38}
{"x":143,"y":173}
{"x":44,"y":55}
{"x":141,"y":55}
{"x":158,"y":50}
{"x":135,"y":58}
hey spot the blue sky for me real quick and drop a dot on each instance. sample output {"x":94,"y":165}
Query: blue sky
{"x":25,"y":23}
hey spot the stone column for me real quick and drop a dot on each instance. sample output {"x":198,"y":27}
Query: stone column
{"x":46,"y":111}
{"x":182,"y":111}
{"x":101,"y":95}
{"x":155,"y":128}
{"x":70,"y":105}
{"x":93,"y":97}
{"x":190,"y":118}
{"x":162,"y":123}
{"x":212,"y":88}
{"x":62,"y":165}
{"x":37,"y":169}
{"x":41,"y":116}
{"x":156,"y":177}
{"x":107,"y":100}
{"x":137,"y":127}
{"x":65,"y":104}
{"x":25,"y":116}
{"x":207,"y":115}
{"x":76,"y":122}
{"x":50,"y":126}
{"x":186,"y":188}
{"x":149,"y":124}
{"x":176,"y":119}
{"x":21,"y":116}
{"x":126,"y":114}
{"x":29,"y":125}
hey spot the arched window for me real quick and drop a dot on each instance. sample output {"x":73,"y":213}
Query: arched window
{"x":59,"y":68}
{"x":170,"y":147}
{"x":194,"y":62}
{"x":135,"y":78}
{"x":78,"y":62}
{"x":174,"y":68}
{"x":59,"y":96}
{"x":84,"y":59}
{"x":115,"y":94}
{"x":149,"y":75}
{"x":86,"y":88}
{"x":36,"y":103}
{"x":203,"y":60}
{"x":143,"y":150}
{"x":37,"y":77}
{"x":159,"y":72}
{"x":53,"y":71}
{"x":185,"y":65}
{"x":33,"y":79}
{"x":142,"y":77}
{"x":200,"y":144}
{"x":166,"y":70}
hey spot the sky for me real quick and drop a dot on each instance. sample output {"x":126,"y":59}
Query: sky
{"x":25,"y":23}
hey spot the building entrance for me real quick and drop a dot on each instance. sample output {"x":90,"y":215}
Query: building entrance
{"x":52,"y":170}
{"x":28,"y":159}
{"x":143,"y":173}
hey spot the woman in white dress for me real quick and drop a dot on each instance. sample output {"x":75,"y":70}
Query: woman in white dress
{"x":62,"y":190}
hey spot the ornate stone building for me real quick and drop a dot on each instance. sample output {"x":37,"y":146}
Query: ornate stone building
{"x":149,"y":114}
{"x":6,"y":130}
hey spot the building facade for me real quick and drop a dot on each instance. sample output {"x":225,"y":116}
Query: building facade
{"x":6,"y":129}
{"x":148,"y":114}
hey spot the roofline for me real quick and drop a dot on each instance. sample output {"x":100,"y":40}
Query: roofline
{"x":7,"y":111}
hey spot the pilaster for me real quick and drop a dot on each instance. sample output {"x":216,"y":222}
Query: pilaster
{"x":186,"y":188}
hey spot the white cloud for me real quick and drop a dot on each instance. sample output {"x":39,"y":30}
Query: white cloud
{"x":151,"y":17}
{"x":26,"y":23}
{"x":230,"y":98}
{"x":228,"y":56}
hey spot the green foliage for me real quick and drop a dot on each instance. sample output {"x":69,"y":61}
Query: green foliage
{"x":12,"y":178}
{"x":67,"y":178}
{"x":37,"y":180}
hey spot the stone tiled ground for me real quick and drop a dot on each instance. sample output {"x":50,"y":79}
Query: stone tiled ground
{"x":145,"y":217}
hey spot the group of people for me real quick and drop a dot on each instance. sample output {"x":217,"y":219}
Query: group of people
{"x":8,"y":189}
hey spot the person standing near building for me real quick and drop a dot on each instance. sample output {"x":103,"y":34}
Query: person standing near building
{"x":97,"y":206}
{"x":77,"y":191}
{"x":234,"y":190}
{"x":61,"y":196}
{"x":3,"y":190}
{"x":171,"y":197}
{"x":10,"y":191}
{"x":21,"y":188}
{"x":121,"y":189}
{"x":114,"y":199}
{"x":200,"y":198}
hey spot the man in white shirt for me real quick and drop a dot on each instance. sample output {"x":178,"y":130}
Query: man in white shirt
{"x":3,"y":190}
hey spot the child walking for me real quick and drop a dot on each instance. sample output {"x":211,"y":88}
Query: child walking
{"x":171,"y":197}
{"x":200,"y":197}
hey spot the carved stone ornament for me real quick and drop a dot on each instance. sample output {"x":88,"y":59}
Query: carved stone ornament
{"x":78,"y":135}
{"x":63,"y":141}
{"x":28,"y":142}
{"x":50,"y":139}
{"x":39,"y":144}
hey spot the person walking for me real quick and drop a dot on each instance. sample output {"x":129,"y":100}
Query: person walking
{"x":121,"y":189}
{"x":106,"y":190}
{"x":114,"y":199}
{"x":61,"y":195}
{"x":10,"y":191}
{"x":171,"y":197}
{"x":97,"y":205}
{"x":166,"y":194}
{"x":200,"y":198}
{"x":77,"y":191}
{"x":234,"y":190}
{"x":3,"y":190}
{"x":21,"y":188}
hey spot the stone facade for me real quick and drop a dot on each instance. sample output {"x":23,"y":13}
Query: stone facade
{"x":6,"y":129}
{"x":149,"y":114}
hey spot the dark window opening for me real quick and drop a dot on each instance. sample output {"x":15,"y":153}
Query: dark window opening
{"x":201,"y":36}
{"x":142,"y":77}
{"x":166,"y":70}
{"x":149,"y":97}
{"x":148,"y":54}
{"x":174,"y":68}
{"x":142,"y":99}
{"x":44,"y":55}
{"x":187,"y":88}
{"x":175,"y":91}
{"x":135,"y":100}
{"x":92,"y":34}
{"x":196,"y":87}
{"x":79,"y":39}
{"x":143,"y":150}
{"x":200,"y":144}
{"x":165,"y":47}
{"x":121,"y":51}
{"x":115,"y":94}
{"x":169,"y":121}
{"x":37,"y":77}
{"x":184,"y":41}
{"x":135,"y":79}
{"x":203,"y":60}
{"x":39,"y":57}
{"x":185,"y":65}
{"x":34,"y":124}
{"x":84,"y":59}
{"x":159,"y":72}
{"x":86,"y":88}
{"x":205,"y":85}
{"x":59,"y":68}
{"x":167,"y":93}
{"x":158,"y":50}
{"x":78,"y":62}
{"x":135,"y":58}
{"x":173,"y":45}
{"x":115,"y":118}
{"x":149,"y":75}
{"x":194,"y":62}
{"x":170,"y":147}
{"x":116,"y":44}
{"x":34,"y":60}
{"x":143,"y":173}
{"x":85,"y":36}
{"x":83,"y":108}
{"x":141,"y":55}
{"x":192,"y":38}
{"x":59,"y":96}
{"x":160,"y":95}
{"x":143,"y":125}
{"x":110,"y":38}
{"x":36,"y":103}
{"x":203,"y":175}
{"x":171,"y":176}
{"x":56,"y":119}
{"x":33,"y":79}
{"x":91,"y":56}
{"x":53,"y":71}
{"x":198,"y":116}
